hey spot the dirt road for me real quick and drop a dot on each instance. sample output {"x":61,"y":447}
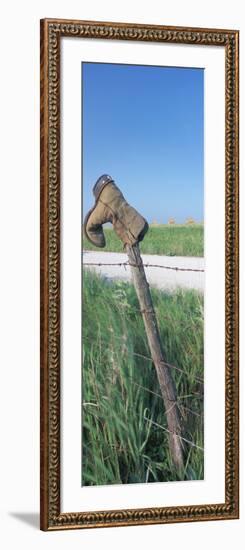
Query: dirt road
{"x":164,"y":279}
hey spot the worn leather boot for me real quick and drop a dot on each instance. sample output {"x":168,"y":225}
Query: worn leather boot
{"x":111,"y":206}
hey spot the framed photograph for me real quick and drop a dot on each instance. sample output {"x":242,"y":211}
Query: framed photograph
{"x":139,"y":274}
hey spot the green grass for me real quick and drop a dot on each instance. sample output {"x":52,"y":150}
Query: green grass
{"x":169,"y":240}
{"x":121,"y":395}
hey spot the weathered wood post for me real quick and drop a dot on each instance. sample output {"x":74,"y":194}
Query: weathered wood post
{"x":165,"y":379}
{"x":130,"y":227}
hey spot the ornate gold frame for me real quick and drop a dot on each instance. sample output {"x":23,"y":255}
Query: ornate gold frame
{"x":52,"y":31}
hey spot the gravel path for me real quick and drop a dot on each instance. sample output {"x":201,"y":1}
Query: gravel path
{"x":164,"y":279}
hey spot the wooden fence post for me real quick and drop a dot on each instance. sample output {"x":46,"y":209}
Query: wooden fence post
{"x":166,"y":382}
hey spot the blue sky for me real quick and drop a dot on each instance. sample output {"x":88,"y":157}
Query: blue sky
{"x":143,"y":125}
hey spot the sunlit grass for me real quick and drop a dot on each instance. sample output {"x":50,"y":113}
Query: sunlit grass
{"x":121,"y":394}
{"x":169,"y":240}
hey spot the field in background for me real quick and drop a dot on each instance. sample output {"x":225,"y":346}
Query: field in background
{"x":123,"y":414}
{"x":169,"y":240}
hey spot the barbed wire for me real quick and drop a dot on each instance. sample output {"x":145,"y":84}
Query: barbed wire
{"x":168,"y":365}
{"x":156,"y":425}
{"x":177,"y":402}
{"x":173,"y":433}
{"x":180,"y":406}
{"x":128,"y":264}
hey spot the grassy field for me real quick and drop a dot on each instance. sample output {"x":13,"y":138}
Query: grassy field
{"x":123,"y":411}
{"x":169,"y":240}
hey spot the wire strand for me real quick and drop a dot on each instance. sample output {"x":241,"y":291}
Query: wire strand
{"x":125,"y":264}
{"x":173,"y":433}
{"x":168,"y":365}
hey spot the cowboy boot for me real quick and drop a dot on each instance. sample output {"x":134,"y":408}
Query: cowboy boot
{"x":111,"y":206}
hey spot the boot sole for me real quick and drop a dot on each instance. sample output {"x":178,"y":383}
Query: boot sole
{"x":92,"y":209}
{"x":85,"y":225}
{"x":100,"y":184}
{"x":97,"y":194}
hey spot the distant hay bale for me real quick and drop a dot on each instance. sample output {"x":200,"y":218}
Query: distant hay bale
{"x":171,"y":221}
{"x":154,"y":222}
{"x":190,"y":221}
